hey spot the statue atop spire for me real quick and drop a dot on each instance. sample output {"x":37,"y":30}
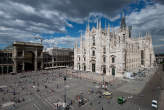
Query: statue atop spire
{"x":108,"y":28}
{"x":105,"y":27}
{"x":97,"y":23}
{"x":100,"y":24}
{"x":88,"y":27}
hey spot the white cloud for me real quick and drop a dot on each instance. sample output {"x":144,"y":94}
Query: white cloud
{"x":162,"y":39}
{"x":115,"y":18}
{"x":23,"y":7}
{"x":66,"y":41}
{"x":149,"y":19}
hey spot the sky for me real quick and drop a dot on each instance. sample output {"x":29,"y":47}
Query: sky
{"x":60,"y":22}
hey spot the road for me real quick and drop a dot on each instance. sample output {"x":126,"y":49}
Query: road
{"x":151,"y":90}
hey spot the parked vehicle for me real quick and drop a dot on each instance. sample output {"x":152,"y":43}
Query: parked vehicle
{"x":154,"y":104}
{"x":121,"y":100}
{"x":107,"y":94}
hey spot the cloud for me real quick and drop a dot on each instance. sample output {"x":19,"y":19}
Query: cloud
{"x":115,"y":18}
{"x":160,"y":1}
{"x":149,"y":19}
{"x":162,"y":39}
{"x":66,"y":41}
{"x":21,"y":19}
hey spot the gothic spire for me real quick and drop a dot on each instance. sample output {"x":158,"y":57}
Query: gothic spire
{"x":100,"y":24}
{"x":105,"y":27}
{"x":81,"y":37}
{"x":123,"y":21}
{"x":108,"y":28}
{"x":88,"y":27}
{"x":97,"y":23}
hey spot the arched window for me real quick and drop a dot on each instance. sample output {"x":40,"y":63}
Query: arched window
{"x":93,"y":38}
{"x":93,"y":53}
{"x":113,"y":71}
{"x":78,"y":66}
{"x":84,"y":67}
{"x":104,"y":59}
{"x":93,"y":67}
{"x":104,"y":50}
{"x":104,"y":69}
{"x":124,"y":37}
{"x":84,"y":58}
{"x":113,"y":59}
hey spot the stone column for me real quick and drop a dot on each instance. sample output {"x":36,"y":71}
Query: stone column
{"x":23,"y":61}
{"x":52,"y":61}
{"x":2,"y":69}
{"x":41,"y":60}
{"x":14,"y":59}
{"x":23,"y":66}
{"x":36,"y":61}
{"x":7,"y":69}
{"x":15,"y":66}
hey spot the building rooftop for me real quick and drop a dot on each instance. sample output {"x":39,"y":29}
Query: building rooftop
{"x":27,"y":43}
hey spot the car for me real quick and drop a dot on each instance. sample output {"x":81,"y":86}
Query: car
{"x":154,"y":104}
{"x":107,"y":94}
{"x":121,"y":100}
{"x":82,"y":101}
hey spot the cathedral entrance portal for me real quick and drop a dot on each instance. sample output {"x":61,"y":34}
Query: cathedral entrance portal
{"x":93,"y":67}
{"x":113,"y":71}
{"x":84,"y":67}
{"x":104,"y":69}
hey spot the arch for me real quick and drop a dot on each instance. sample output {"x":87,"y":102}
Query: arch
{"x":113,"y":71}
{"x":104,"y":59}
{"x":29,"y":60}
{"x":113,"y":57}
{"x":93,"y":52}
{"x":78,"y":58}
{"x":78,"y":66}
{"x":84,"y":67}
{"x":93,"y":67}
{"x":103,"y":67}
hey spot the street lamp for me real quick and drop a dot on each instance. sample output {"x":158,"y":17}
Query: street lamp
{"x":65,"y":78}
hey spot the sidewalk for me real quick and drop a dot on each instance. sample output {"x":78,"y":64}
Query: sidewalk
{"x":161,"y":105}
{"x":92,"y":76}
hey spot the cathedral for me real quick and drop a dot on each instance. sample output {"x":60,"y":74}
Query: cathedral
{"x":113,"y":52}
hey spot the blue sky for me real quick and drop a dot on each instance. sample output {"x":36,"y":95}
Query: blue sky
{"x":60,"y":23}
